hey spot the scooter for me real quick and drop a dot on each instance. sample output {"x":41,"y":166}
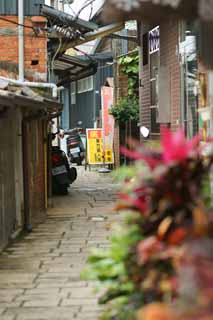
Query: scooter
{"x":62,"y":174}
{"x":75,"y":147}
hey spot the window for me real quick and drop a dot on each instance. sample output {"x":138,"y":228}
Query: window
{"x":73,"y":92}
{"x":85,"y":84}
{"x":154,"y":60}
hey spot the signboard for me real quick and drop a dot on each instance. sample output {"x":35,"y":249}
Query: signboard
{"x":154,"y":40}
{"x":94,"y":146}
{"x":108,"y":123}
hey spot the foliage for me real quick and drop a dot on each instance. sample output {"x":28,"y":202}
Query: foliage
{"x":166,"y":227}
{"x":127,"y":109}
{"x":130,"y":67}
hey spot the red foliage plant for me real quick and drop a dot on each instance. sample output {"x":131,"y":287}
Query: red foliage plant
{"x":168,"y":196}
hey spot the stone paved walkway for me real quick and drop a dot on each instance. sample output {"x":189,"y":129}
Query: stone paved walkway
{"x":40,"y":274}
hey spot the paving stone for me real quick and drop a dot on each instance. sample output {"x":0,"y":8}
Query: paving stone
{"x":37,"y":302}
{"x":79,"y":302}
{"x":40,"y":274}
{"x":41,"y":291}
{"x":2,"y":310}
{"x":6,"y":317}
{"x":52,"y":313}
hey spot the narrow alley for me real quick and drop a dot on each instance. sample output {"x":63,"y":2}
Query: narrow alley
{"x":40,"y":273}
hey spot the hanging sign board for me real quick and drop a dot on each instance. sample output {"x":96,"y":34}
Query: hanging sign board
{"x":94,"y":146}
{"x":108,"y":123}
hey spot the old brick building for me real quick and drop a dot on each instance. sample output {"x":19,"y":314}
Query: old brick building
{"x":24,"y":116}
{"x":23,"y":159}
{"x":173,"y":82}
{"x":35,"y":48}
{"x":160,"y":76}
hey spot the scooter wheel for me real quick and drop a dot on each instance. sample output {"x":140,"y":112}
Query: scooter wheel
{"x":63,"y":190}
{"x":79,"y":162}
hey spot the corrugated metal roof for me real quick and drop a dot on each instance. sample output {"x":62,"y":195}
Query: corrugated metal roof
{"x":70,"y":68}
{"x":10,"y":7}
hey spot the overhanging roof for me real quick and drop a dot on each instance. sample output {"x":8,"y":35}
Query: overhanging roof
{"x":64,"y":20}
{"x":69,"y":68}
{"x":155,"y":10}
{"x":89,"y":36}
{"x":12,"y":98}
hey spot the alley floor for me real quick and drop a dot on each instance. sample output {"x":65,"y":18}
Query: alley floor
{"x":40,"y":273}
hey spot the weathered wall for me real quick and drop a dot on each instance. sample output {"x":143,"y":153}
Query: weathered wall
{"x":35,"y":48}
{"x":8,"y":219}
{"x":34,"y":170}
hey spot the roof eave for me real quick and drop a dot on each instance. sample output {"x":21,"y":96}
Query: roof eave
{"x":48,"y":11}
{"x":10,"y":99}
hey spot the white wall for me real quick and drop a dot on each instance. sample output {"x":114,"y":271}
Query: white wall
{"x":57,"y":4}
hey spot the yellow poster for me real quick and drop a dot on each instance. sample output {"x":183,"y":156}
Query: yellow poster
{"x":94,"y":146}
{"x":95,"y":153}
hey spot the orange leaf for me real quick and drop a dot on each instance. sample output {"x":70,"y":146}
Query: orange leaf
{"x":200,"y":221}
{"x":163,"y":227}
{"x":156,"y":311}
{"x":177,"y":236}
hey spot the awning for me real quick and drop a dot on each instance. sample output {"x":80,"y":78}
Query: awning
{"x":70,"y":68}
{"x":155,"y":10}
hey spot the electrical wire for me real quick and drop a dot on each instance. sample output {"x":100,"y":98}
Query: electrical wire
{"x":84,"y":53}
{"x":85,"y":5}
{"x":55,"y":55}
{"x":21,"y":25}
{"x":91,"y":11}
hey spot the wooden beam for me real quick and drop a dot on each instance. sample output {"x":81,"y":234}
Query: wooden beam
{"x":89,"y":36}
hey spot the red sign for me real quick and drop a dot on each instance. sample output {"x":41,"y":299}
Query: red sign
{"x":107,"y":123}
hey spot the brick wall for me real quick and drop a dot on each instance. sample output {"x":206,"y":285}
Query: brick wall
{"x":169,"y":34}
{"x":35,"y":48}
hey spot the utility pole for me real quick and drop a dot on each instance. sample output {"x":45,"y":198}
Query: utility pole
{"x":21,"y":38}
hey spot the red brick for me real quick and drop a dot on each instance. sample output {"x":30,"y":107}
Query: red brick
{"x":35,"y":47}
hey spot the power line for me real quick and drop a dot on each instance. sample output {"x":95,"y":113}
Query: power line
{"x":21,"y":25}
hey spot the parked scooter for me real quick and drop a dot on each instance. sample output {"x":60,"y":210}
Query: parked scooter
{"x":75,"y":146}
{"x":62,"y":174}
